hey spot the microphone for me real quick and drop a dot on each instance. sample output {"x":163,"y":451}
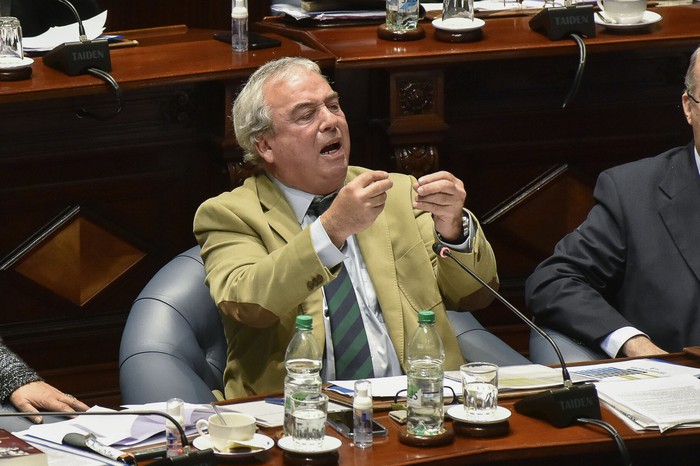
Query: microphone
{"x":188,"y":458}
{"x":89,"y":442}
{"x":75,"y":58}
{"x":561,"y":406}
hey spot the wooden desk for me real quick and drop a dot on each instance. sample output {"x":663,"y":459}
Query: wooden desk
{"x":491,"y":112}
{"x":529,"y":442}
{"x":136,"y":179}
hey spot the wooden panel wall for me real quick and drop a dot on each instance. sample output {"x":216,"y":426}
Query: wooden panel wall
{"x":136,"y":181}
{"x":211,"y":14}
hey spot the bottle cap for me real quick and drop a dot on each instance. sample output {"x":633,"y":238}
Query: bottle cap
{"x":304,"y":322}
{"x":176,"y":408}
{"x":239,"y":11}
{"x":363,"y":394}
{"x":426,"y":317}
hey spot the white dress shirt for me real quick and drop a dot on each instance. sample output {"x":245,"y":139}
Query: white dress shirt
{"x":385,"y":361}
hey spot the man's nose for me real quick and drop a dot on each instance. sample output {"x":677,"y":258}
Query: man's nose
{"x":329,"y":120}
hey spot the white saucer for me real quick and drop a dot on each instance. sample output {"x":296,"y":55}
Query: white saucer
{"x":458,"y":24}
{"x":263,"y":441}
{"x":329,"y":444}
{"x":23,"y":63}
{"x":649,"y":17}
{"x":459,"y":413}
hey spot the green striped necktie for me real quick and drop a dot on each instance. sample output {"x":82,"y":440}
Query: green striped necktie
{"x":353,"y":360}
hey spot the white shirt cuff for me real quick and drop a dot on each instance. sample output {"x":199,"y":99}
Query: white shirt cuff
{"x":325,"y":249}
{"x":614,"y":341}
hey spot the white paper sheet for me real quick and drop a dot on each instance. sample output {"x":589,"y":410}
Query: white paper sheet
{"x":121,"y":430}
{"x":389,"y":386}
{"x":657,"y":403}
{"x":633,"y":369}
{"x":58,"y":35}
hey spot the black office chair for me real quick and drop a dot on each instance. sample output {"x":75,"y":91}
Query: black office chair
{"x":174,"y":345}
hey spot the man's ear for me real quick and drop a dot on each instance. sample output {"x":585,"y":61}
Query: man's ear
{"x":687,"y":103}
{"x":264,"y":150}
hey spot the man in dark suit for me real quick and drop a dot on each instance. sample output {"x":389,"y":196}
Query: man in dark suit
{"x":627,"y":280}
{"x":37,"y":16}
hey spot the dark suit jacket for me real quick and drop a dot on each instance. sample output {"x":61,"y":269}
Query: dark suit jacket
{"x":37,"y":16}
{"x":634,"y":261}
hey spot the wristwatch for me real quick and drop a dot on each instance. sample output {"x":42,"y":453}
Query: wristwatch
{"x":466,"y":221}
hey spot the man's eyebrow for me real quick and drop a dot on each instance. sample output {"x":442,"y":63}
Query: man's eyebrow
{"x":302,"y":106}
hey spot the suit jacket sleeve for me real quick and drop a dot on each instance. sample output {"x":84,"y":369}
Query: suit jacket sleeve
{"x":574,"y":290}
{"x":459,"y":290}
{"x":249,"y":250}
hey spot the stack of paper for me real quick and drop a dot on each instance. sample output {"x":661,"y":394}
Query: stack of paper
{"x":632,"y":369}
{"x":657,"y":404}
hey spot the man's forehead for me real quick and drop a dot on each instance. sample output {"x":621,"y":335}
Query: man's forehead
{"x":284,"y":94}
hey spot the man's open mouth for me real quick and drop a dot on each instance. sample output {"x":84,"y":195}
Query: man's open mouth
{"x":329,"y":149}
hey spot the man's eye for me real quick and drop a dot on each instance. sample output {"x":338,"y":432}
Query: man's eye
{"x":334,"y":107}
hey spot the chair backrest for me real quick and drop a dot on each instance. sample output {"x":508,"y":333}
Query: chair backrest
{"x":541,"y":352}
{"x":173,"y":344}
{"x":478,"y":344}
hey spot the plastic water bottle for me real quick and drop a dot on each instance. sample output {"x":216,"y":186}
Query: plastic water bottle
{"x":425,"y":409}
{"x":239,"y":26}
{"x":173,"y":441}
{"x":362,"y":414}
{"x":303,"y":363}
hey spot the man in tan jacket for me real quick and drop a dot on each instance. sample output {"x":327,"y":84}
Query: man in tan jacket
{"x":267,"y":259}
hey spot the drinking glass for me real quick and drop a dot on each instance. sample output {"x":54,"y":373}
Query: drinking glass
{"x":11,"y":52}
{"x":309,"y":414}
{"x":480,"y":388}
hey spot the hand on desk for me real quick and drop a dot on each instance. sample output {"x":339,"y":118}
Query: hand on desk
{"x":640,"y":346}
{"x":33,"y":396}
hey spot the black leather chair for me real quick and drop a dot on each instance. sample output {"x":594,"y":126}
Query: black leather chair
{"x":174,"y":345}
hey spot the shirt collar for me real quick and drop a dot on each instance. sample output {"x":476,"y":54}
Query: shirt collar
{"x":298,"y":200}
{"x":697,"y":158}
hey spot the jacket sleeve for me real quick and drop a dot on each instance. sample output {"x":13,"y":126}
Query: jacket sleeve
{"x":254,"y":275}
{"x":460,"y":290}
{"x":14,"y":372}
{"x":572,"y":290}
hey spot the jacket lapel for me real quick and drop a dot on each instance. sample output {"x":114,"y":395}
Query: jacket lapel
{"x":278,"y":212}
{"x":681,"y":214}
{"x":378,"y":255}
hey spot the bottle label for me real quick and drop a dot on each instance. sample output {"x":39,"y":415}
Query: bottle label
{"x":417,"y":397}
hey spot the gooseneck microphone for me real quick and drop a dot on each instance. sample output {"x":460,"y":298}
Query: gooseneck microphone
{"x":188,"y":458}
{"x":74,"y":58}
{"x":85,"y":57}
{"x":81,"y":28}
{"x":562,"y":406}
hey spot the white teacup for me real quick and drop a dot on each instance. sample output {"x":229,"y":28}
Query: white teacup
{"x":624,"y":11}
{"x":239,"y":428}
